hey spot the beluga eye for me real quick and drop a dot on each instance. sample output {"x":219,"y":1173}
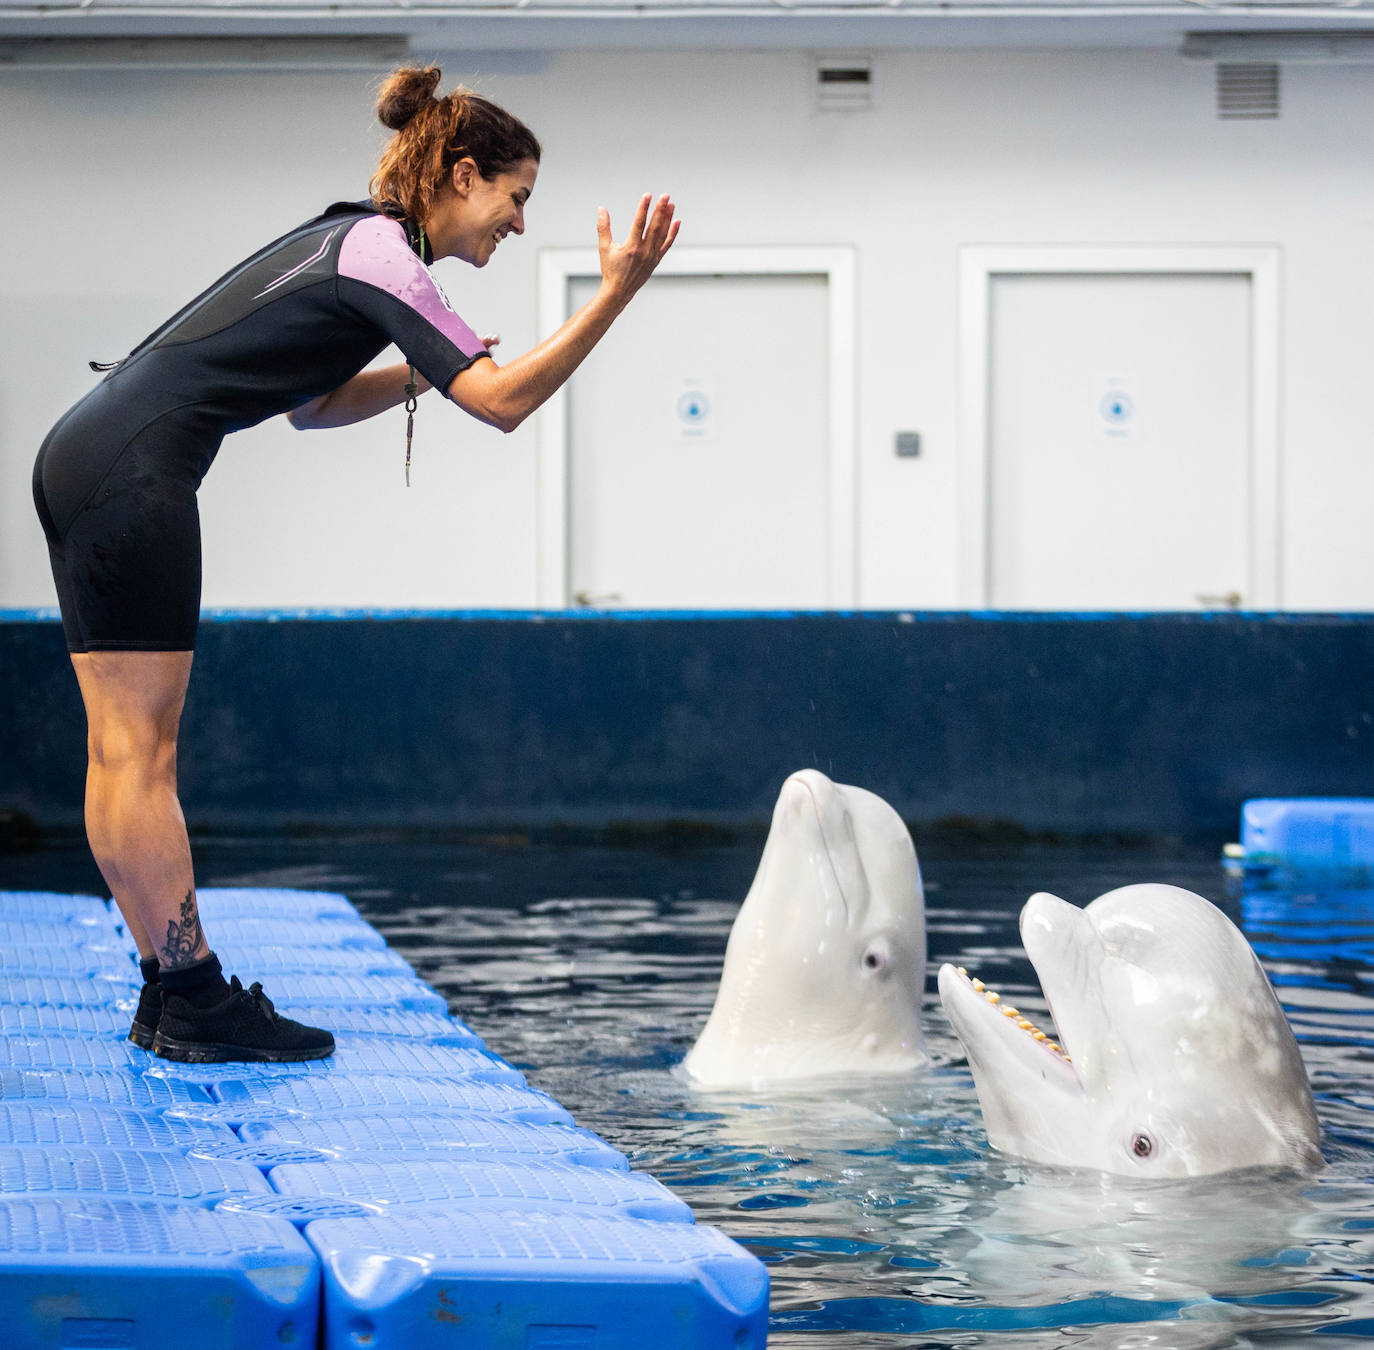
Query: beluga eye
{"x":874,"y":959}
{"x":1142,"y":1145}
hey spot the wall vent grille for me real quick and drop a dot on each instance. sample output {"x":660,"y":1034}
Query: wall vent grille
{"x":1247,"y":90}
{"x":844,"y":83}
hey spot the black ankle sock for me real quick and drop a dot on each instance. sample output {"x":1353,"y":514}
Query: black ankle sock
{"x":201,"y":984}
{"x":148,"y":966}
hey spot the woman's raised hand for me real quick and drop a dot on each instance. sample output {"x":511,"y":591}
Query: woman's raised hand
{"x":625,"y":267}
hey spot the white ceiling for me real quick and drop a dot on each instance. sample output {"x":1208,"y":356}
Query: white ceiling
{"x":532,"y":25}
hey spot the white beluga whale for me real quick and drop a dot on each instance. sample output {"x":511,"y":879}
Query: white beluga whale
{"x":825,"y":966}
{"x":1174,"y":1058}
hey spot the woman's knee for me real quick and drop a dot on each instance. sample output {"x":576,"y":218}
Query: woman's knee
{"x":115,"y":745}
{"x":133,"y":706}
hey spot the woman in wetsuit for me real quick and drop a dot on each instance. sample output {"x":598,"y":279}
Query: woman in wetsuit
{"x":289,"y":331}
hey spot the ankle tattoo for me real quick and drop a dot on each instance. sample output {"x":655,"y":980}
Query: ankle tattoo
{"x":184,"y":937}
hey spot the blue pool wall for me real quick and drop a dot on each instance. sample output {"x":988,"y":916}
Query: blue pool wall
{"x":1063,"y":723}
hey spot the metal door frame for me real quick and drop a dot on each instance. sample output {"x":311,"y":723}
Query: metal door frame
{"x":558,"y":267}
{"x":980,"y":264}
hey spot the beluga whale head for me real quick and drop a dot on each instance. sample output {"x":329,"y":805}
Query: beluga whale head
{"x":1173,"y":1058}
{"x":825,"y":966}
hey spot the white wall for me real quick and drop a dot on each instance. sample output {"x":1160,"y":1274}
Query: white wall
{"x":129,"y":192}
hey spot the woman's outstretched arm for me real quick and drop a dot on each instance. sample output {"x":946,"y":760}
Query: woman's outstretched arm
{"x":368,"y":393}
{"x":503,"y":396}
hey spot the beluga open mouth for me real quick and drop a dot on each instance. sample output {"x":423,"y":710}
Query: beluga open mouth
{"x":1171,"y":1054}
{"x":1014,"y":1015}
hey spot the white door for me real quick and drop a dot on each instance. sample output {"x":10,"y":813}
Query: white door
{"x":698,"y":447}
{"x":1119,"y":440}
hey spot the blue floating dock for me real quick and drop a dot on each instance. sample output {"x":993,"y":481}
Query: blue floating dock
{"x":493,"y":1182}
{"x":1306,"y":834}
{"x":92,"y":1271}
{"x":390,"y":1134}
{"x":411,"y":1191}
{"x":355,"y":1054}
{"x":125,"y":1174}
{"x":552,"y":1280}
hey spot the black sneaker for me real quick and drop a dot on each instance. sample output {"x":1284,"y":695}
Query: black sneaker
{"x":146,"y":1016}
{"x":243,"y":1026}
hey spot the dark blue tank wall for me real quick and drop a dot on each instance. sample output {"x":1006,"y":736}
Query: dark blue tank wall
{"x":1076,"y":723}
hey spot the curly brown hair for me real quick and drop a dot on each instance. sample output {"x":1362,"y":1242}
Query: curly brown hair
{"x":433,"y":134}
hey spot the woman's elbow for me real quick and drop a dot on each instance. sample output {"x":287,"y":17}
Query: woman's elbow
{"x":481,"y":393}
{"x":306,"y":417}
{"x":503,"y":418}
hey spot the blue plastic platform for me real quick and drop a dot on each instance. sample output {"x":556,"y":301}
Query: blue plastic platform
{"x":267,"y":962}
{"x":254,"y":931}
{"x":223,"y":902}
{"x":49,"y":906}
{"x":65,"y":933}
{"x":400,"y":1024}
{"x":354,"y":1055}
{"x":136,"y":1090}
{"x":93,"y":1271}
{"x":107,"y":1020}
{"x":410,"y":1191}
{"x":69,"y":959}
{"x":394,"y":1134}
{"x":67,"y":991}
{"x":553,"y":1280}
{"x":310,"y":994}
{"x":125,"y":1173}
{"x":56,"y":1051}
{"x":1308,"y":833}
{"x":493,"y":1182}
{"x":270,"y":1098}
{"x":49,"y":1123}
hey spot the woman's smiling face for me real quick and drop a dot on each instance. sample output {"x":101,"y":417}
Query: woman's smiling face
{"x":479,"y":212}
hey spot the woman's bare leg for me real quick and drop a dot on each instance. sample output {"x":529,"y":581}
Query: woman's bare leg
{"x":133,"y":817}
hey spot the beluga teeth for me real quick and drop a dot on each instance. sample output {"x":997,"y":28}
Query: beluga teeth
{"x":1014,"y":1015}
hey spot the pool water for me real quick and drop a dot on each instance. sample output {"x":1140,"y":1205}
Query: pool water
{"x":883,"y":1215}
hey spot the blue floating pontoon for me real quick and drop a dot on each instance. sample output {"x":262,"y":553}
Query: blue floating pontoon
{"x":384,"y":1134}
{"x":1325,"y":834}
{"x":49,"y":1123}
{"x":48,"y":906}
{"x":69,"y":959}
{"x":111,"y":1087}
{"x":106,"y":1020}
{"x":490,"y":1183}
{"x":93,"y":1271}
{"x":125,"y":1174}
{"x":80,"y":1053}
{"x":242,"y":931}
{"x":68,"y":933}
{"x":401,"y":1024}
{"x":409,"y":1190}
{"x":260,"y":1097}
{"x":67,"y":991}
{"x":228,"y":902}
{"x":309,"y":994}
{"x":353,"y":1055}
{"x":553,"y":1280}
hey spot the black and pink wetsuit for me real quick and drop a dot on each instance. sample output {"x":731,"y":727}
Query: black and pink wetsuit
{"x":115,"y":481}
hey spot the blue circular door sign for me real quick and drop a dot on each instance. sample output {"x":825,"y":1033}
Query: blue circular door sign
{"x":693,"y":408}
{"x":1117,"y":407}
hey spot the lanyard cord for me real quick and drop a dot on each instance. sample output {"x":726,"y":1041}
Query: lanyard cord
{"x":412,"y":401}
{"x":411,"y":404}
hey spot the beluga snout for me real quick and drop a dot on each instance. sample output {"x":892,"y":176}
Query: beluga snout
{"x":1169,"y":1054}
{"x":825,"y":965}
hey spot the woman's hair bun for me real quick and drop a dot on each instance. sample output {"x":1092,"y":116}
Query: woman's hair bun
{"x":405,"y":92}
